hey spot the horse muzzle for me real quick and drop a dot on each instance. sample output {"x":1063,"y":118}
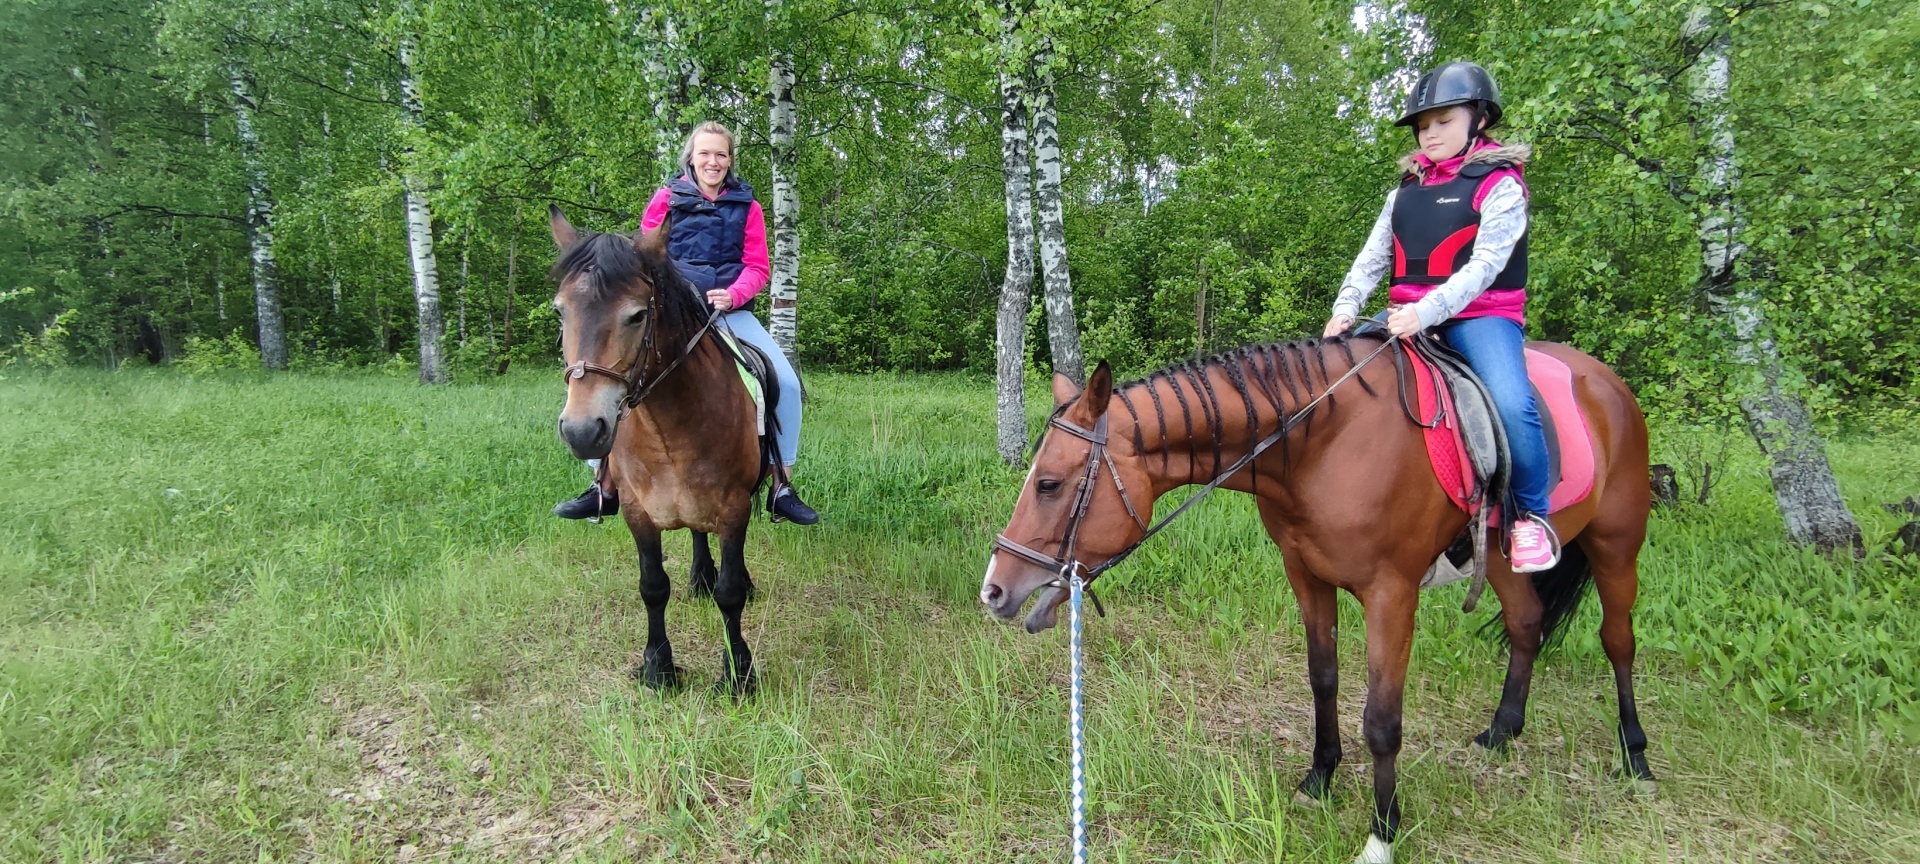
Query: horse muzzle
{"x":1004,"y":603}
{"x":588,"y":437}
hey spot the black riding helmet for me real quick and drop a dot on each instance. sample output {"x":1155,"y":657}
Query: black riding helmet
{"x":1458,"y":83}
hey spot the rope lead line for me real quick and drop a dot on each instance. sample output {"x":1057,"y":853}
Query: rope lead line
{"x":1077,"y":721}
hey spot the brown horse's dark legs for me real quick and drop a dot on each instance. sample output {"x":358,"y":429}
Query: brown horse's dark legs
{"x":1618,"y":580}
{"x":730,"y":594}
{"x":704,"y":575}
{"x":1520,"y":606}
{"x":1389,"y":644}
{"x":1319,"y":611}
{"x":656,"y":665}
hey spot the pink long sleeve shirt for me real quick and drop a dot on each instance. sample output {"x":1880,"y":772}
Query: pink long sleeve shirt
{"x":754,"y":258}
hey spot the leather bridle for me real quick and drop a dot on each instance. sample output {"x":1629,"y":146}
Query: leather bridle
{"x":1065,"y":565}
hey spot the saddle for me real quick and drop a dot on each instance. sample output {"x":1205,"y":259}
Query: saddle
{"x":1467,"y":445}
{"x":756,"y":372}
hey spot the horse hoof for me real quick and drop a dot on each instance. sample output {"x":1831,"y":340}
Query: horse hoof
{"x":737,"y":686}
{"x":1648,"y":788}
{"x":700,"y":588}
{"x":1491,"y":743}
{"x":1307,"y":802}
{"x":657,"y":678}
{"x":1377,"y":851}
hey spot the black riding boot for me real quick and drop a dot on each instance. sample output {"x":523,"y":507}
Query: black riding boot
{"x":787,"y":507}
{"x":590,"y":505}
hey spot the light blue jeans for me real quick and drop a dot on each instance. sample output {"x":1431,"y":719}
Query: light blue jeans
{"x":747,"y":329}
{"x":1495,"y":348}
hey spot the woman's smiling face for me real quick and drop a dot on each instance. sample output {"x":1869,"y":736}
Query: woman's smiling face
{"x":712,"y":158}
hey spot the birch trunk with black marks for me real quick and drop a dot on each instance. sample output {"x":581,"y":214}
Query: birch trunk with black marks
{"x":326,"y":226}
{"x":672,"y":75}
{"x":1016,"y":289}
{"x":783,"y":313}
{"x":1803,"y":481}
{"x":1063,"y":330}
{"x":266,"y":275}
{"x":426,"y":276}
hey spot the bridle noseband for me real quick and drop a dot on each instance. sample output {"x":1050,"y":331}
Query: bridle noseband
{"x":1065,"y":565}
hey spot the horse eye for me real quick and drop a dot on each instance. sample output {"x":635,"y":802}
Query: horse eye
{"x":1048,"y":487}
{"x":637,"y":317}
{"x":586,"y":268}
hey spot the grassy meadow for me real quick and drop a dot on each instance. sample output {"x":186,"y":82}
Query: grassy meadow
{"x":328,"y":618}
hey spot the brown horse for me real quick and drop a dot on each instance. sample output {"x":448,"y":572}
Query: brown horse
{"x":651,"y":391}
{"x":1353,"y":504}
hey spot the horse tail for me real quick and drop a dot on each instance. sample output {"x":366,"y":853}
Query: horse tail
{"x":1560,"y":590}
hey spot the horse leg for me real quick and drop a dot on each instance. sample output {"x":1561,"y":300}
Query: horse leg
{"x":1521,"y":609}
{"x":1319,"y":611}
{"x":1617,"y":578}
{"x":704,"y":575}
{"x":656,"y":666}
{"x":1389,"y":611}
{"x":730,"y":594}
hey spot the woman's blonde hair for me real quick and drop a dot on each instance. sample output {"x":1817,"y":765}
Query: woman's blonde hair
{"x":686,"y":150}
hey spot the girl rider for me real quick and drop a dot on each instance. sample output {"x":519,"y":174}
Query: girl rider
{"x":719,"y":243}
{"x":1455,"y":235}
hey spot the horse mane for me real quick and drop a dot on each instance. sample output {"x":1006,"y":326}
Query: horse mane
{"x":609,"y":265}
{"x":1284,"y":373}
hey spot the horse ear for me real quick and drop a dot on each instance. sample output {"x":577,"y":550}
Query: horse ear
{"x":652,"y":245}
{"x":563,"y":231}
{"x":1064,"y":390}
{"x":1099,"y":391}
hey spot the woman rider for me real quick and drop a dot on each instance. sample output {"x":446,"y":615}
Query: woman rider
{"x":719,"y":243}
{"x":1463,"y":199}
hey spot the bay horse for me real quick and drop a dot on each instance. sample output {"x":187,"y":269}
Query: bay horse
{"x":651,"y":391}
{"x":1350,"y":498}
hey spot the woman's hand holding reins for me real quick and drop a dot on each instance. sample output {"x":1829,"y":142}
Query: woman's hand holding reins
{"x":721,"y":300}
{"x":1337,"y":325}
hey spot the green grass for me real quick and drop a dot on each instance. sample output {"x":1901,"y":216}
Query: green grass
{"x":328,"y":618}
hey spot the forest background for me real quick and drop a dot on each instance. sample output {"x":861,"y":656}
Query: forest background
{"x":1720,"y":191}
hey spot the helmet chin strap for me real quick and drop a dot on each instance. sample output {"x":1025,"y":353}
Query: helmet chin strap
{"x":1473,"y":130}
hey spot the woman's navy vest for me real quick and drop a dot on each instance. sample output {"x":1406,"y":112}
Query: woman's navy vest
{"x":709,"y":238}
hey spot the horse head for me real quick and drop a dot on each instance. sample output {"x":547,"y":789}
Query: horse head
{"x":1079,"y":507}
{"x":616,"y":315}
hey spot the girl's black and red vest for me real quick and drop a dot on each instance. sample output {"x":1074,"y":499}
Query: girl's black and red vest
{"x":1434,"y":228}
{"x":709,"y":238}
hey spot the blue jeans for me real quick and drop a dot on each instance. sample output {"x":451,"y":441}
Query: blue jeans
{"x":1494,"y":347}
{"x":747,"y":328}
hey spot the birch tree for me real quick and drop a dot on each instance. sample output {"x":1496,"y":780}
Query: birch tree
{"x":1803,"y":481}
{"x":426,"y":276}
{"x":1016,"y":288}
{"x":266,"y":273}
{"x":784,"y":288}
{"x":1063,"y":330}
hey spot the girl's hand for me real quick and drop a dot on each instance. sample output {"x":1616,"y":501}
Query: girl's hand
{"x":721,"y":300}
{"x":1402,"y":321}
{"x":1337,"y":325}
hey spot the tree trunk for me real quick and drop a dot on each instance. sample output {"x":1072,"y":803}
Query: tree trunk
{"x":1063,"y":331}
{"x":1016,"y":290}
{"x":266,"y":276}
{"x":506,"y":321}
{"x":783,"y":313}
{"x":1803,"y":481}
{"x":672,"y":75}
{"x":466,"y":246}
{"x":426,"y":276}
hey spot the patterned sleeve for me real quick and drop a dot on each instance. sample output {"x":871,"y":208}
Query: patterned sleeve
{"x":1503,"y":221}
{"x":1374,"y":261}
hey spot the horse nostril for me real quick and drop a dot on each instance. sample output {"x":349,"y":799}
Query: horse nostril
{"x":991,"y":595}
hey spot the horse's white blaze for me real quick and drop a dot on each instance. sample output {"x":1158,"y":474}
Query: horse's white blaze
{"x":1378,"y":851}
{"x":987,"y":583}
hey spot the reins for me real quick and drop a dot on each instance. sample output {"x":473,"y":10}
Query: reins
{"x":1067,"y":568}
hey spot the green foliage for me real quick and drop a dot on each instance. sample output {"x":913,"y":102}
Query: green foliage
{"x":203,"y":355}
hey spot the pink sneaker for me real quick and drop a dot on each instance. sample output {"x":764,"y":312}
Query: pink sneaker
{"x":1532,"y":545}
